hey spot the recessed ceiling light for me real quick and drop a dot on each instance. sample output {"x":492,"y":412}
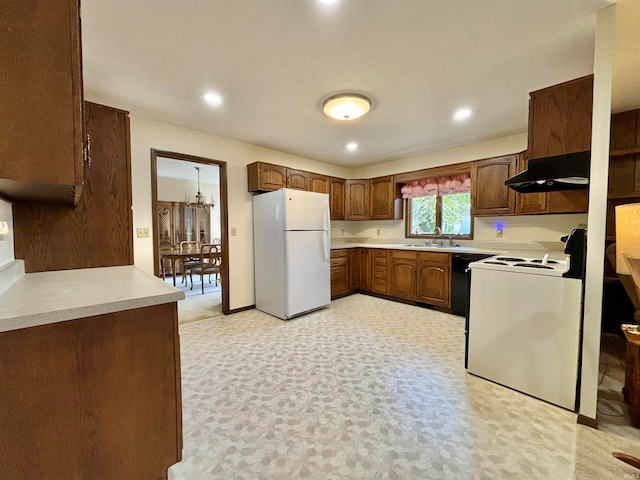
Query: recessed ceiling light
{"x":328,"y":2}
{"x":212,"y":98}
{"x":462,"y":114}
{"x":352,"y":146}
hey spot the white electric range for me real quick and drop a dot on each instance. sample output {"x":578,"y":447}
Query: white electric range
{"x":523,"y":326}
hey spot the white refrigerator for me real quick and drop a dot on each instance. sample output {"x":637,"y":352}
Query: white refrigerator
{"x":291,"y":238}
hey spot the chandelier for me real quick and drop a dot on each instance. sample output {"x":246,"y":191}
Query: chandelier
{"x":200,"y":199}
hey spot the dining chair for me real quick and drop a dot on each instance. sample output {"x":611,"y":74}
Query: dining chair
{"x":190,"y":262}
{"x":210,"y":263}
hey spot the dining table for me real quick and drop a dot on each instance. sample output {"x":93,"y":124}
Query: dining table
{"x":176,"y":255}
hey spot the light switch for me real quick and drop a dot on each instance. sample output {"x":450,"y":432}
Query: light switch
{"x":233,"y":231}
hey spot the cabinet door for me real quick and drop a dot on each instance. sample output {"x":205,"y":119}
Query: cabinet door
{"x":382,"y":201}
{"x":380,"y":275}
{"x":527,"y":203}
{"x":319,"y":183}
{"x":490,"y":196}
{"x":434,"y":278}
{"x":337,"y":198}
{"x":365,"y":264}
{"x":354,"y":269}
{"x":298,"y":179}
{"x":99,"y":231}
{"x":403,"y":269}
{"x":357,"y":200}
{"x":339,"y":272}
{"x":42,"y":112}
{"x":569,"y":201}
{"x":265,"y":177}
{"x":560,"y":118}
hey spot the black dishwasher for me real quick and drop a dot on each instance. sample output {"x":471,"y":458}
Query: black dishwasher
{"x":460,"y":282}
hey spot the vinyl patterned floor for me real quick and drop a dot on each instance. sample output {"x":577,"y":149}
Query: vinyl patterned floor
{"x":366,"y":389}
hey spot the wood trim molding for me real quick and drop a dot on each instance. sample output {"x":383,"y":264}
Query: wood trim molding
{"x":587,"y":421}
{"x":241,"y":309}
{"x":455,"y":169}
{"x":224,"y":213}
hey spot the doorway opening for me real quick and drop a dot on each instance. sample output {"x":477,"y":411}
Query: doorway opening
{"x":189,"y":209}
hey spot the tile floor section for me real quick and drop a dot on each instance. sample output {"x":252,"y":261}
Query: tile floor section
{"x":366,"y":389}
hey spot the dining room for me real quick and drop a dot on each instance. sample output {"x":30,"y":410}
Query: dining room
{"x":189,"y":244}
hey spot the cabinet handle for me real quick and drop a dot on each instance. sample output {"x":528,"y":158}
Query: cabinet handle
{"x":87,"y":152}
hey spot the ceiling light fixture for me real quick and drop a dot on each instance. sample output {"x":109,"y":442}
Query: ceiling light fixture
{"x":352,"y":146}
{"x":212,"y":99}
{"x":346,"y":106}
{"x":462,"y":114}
{"x":200,"y":199}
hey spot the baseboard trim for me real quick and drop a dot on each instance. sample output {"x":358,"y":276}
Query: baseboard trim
{"x":587,"y":421}
{"x":241,"y":309}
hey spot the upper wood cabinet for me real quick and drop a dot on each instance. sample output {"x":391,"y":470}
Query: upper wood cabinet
{"x":490,"y":196}
{"x":319,"y":183}
{"x":560,"y":118}
{"x":383,"y":204}
{"x":298,"y":179}
{"x":265,"y":177}
{"x":434,"y":278}
{"x":42,"y":147}
{"x":529,"y":203}
{"x":337,"y":197}
{"x":99,"y":231}
{"x":357,"y":200}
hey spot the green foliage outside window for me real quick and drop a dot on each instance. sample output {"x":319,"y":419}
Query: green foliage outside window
{"x":454,"y":211}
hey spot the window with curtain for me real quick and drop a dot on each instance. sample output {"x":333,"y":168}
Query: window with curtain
{"x":443,"y":202}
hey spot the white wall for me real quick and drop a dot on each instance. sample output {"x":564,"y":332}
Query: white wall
{"x":6,"y":243}
{"x":605,"y":35}
{"x":147,"y":134}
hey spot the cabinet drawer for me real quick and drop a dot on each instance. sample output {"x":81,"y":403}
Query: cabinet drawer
{"x":404,"y":254}
{"x":380,"y":271}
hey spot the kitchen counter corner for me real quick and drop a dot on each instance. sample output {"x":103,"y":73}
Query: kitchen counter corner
{"x":50,"y":297}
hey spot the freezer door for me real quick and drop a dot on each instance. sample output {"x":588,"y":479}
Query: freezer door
{"x":307,"y":284}
{"x":305,"y":210}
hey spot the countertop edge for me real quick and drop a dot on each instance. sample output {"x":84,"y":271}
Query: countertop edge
{"x":51,"y":297}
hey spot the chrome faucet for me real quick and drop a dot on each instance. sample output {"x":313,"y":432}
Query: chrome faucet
{"x":433,"y":236}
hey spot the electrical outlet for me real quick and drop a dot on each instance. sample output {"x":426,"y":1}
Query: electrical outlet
{"x":378,"y":232}
{"x":143,"y":232}
{"x":233,"y":231}
{"x":498,"y":233}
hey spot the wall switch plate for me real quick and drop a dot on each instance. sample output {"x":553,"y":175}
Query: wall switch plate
{"x":233,"y":231}
{"x":142,"y":232}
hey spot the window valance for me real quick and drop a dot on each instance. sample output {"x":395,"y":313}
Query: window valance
{"x":437,"y":186}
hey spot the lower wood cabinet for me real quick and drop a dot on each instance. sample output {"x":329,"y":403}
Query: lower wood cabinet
{"x":354,"y":269}
{"x":92,"y":398}
{"x":403,"y":274}
{"x":365,"y":267}
{"x":423,"y":277}
{"x":380,"y":282}
{"x":434,"y":278}
{"x":339,"y":272}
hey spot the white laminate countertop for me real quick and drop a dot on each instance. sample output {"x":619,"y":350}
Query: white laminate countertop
{"x":418,"y":248}
{"x":50,"y":297}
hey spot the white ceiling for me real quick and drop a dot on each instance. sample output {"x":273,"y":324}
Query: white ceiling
{"x":181,"y":169}
{"x":275,"y":61}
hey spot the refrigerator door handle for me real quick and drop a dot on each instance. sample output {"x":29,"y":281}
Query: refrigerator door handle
{"x":327,"y":230}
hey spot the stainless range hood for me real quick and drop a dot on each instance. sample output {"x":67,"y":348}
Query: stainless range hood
{"x":550,"y":174}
